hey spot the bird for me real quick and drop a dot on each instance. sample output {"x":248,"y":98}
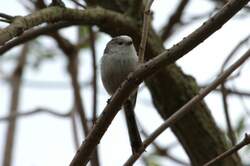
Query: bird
{"x":118,"y":61}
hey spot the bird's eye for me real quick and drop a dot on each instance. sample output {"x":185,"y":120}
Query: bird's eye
{"x":119,"y":43}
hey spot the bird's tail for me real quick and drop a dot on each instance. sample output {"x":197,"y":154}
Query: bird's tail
{"x":134,"y":135}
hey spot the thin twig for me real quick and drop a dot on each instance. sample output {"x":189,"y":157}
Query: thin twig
{"x":234,"y":51}
{"x":234,"y":149}
{"x":145,"y":27}
{"x":173,"y":20}
{"x":94,"y":77}
{"x":72,"y":67}
{"x":73,"y":72}
{"x":79,"y":4}
{"x":6,"y":16}
{"x":164,"y":152}
{"x":224,"y":93}
{"x":230,"y":130}
{"x":241,"y":98}
{"x":231,"y":91}
{"x":187,"y":107}
{"x":34,"y":112}
{"x":95,"y":156}
{"x":5,"y":21}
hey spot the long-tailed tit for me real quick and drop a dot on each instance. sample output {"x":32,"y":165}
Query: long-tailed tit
{"x":118,"y":61}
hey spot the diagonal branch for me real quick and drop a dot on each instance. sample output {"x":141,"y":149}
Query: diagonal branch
{"x":99,"y":16}
{"x":234,"y":149}
{"x":234,"y":51}
{"x":173,"y":20}
{"x":165,"y":58}
{"x":6,"y":16}
{"x":187,"y":107}
{"x":164,"y":152}
{"x":231,"y":91}
{"x":79,"y":4}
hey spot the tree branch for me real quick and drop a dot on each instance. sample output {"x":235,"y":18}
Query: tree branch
{"x":234,"y":51}
{"x":31,"y":34}
{"x":94,"y":77}
{"x":230,"y":130}
{"x":79,"y":4}
{"x":147,"y":69}
{"x":92,"y":16}
{"x":33,"y":112}
{"x":71,"y":53}
{"x":16,"y":82}
{"x":187,"y":107}
{"x":173,"y":20}
{"x":164,"y":152}
{"x":145,"y":27}
{"x":234,"y":149}
{"x":231,"y":91}
{"x":6,"y":16}
{"x":100,"y":16}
